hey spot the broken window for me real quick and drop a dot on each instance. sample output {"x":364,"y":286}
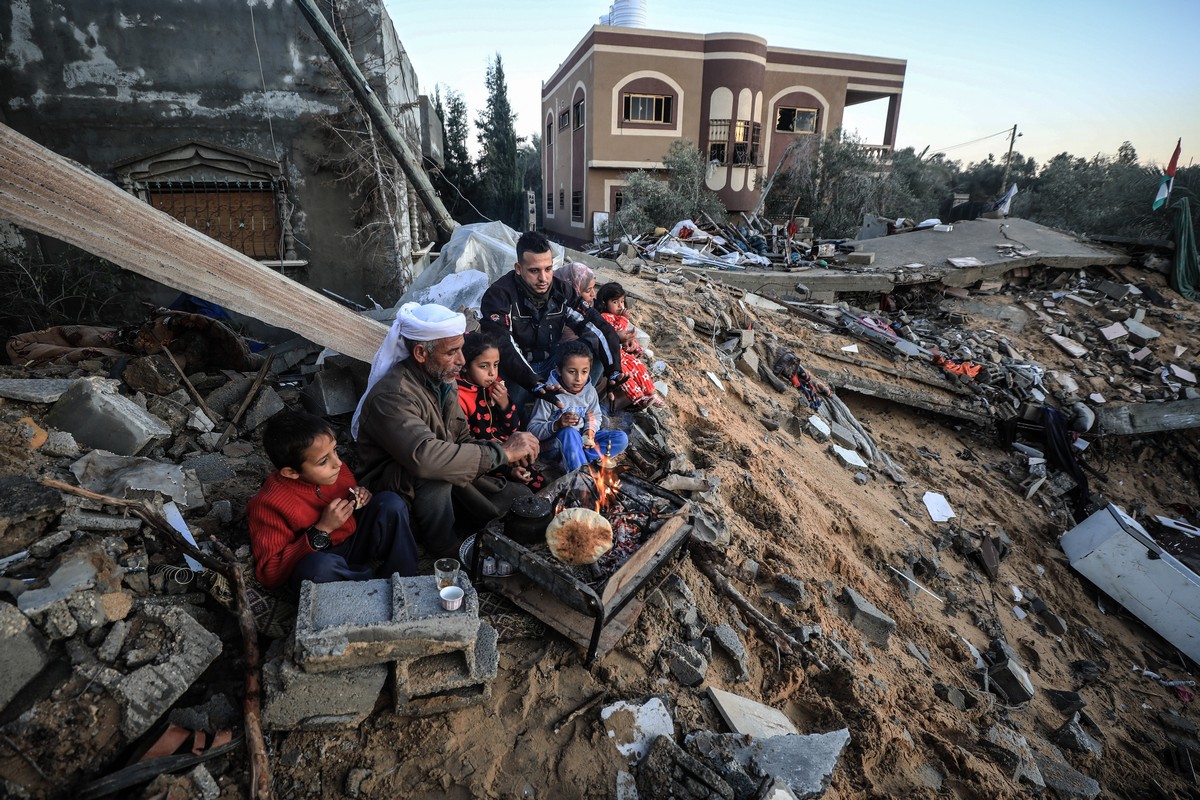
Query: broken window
{"x":618,"y":201}
{"x":718,"y":136}
{"x":796,"y":120}
{"x":577,"y":206}
{"x":647,"y":108}
{"x":579,"y":115}
{"x":240,"y":214}
{"x":564,"y":119}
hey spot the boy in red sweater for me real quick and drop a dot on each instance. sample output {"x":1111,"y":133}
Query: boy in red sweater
{"x":302,"y":520}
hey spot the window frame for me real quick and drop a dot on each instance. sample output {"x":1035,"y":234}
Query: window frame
{"x":816,"y":119}
{"x":661,"y":108}
{"x":718,"y":138}
{"x":577,"y":113}
{"x":577,"y":206}
{"x":564,"y":120}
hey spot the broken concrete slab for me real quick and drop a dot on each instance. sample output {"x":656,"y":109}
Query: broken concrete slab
{"x":843,"y":436}
{"x":876,"y":625}
{"x":25,"y":653}
{"x":1139,"y":332}
{"x":1181,"y":374}
{"x":131,"y":477}
{"x":686,"y":664}
{"x":1116,"y":291}
{"x":209,"y":467}
{"x":1069,"y":346}
{"x":149,"y":691}
{"x":633,"y":727}
{"x":848,"y":458}
{"x":819,"y":429}
{"x":347,"y":624}
{"x":803,"y":764}
{"x":1013,"y":754}
{"x":1114,"y":332}
{"x":1138,"y":418}
{"x":151,"y":374}
{"x":37,"y":390}
{"x":98,"y":417}
{"x":749,"y":717}
{"x":747,"y":362}
{"x":267,"y":404}
{"x":318,"y":701}
{"x":1073,"y":737}
{"x":1067,"y":782}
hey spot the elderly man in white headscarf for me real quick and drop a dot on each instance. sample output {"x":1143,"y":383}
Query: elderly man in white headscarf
{"x":413,"y":437}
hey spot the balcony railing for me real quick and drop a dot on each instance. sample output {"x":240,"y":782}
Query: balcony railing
{"x":881,"y":153}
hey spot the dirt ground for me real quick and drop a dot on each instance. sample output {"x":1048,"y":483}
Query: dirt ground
{"x":793,"y":509}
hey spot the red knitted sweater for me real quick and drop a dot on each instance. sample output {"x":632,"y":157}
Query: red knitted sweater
{"x":281,"y":512}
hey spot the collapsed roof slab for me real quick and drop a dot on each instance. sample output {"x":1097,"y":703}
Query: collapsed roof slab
{"x":1139,"y":418}
{"x":47,"y":193}
{"x":936,"y":401}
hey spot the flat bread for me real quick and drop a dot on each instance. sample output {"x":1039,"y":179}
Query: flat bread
{"x":579,"y":536}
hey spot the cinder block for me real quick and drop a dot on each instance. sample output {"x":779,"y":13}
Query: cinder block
{"x":318,"y":701}
{"x":24,"y":653}
{"x":819,"y":429}
{"x":843,"y":436}
{"x":444,"y":702}
{"x":99,"y":418}
{"x":348,"y":624}
{"x":331,"y":392}
{"x":860,"y":258}
{"x":867,"y":618}
{"x":435,"y":675}
{"x":748,"y":363}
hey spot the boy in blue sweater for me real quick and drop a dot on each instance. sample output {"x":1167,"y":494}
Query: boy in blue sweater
{"x":573,"y":426}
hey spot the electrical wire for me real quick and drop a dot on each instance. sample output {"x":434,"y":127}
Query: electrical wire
{"x":973,"y":141}
{"x":262,"y":76}
{"x":455,"y":188}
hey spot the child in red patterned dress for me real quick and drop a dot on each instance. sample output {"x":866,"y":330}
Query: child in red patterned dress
{"x":484,"y":400}
{"x":610,"y":302}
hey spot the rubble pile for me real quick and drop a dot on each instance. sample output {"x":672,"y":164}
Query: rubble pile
{"x":874,"y":602}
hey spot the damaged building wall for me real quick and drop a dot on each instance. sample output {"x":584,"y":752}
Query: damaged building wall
{"x":112,"y":84}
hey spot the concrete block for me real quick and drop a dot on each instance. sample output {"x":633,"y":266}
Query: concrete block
{"x":24,"y":653}
{"x":1116,"y":291}
{"x":1141,"y":354}
{"x":745,"y":339}
{"x":1011,"y":751}
{"x":1140,"y":332}
{"x":1067,"y":782}
{"x":319,"y":701}
{"x":843,"y":436}
{"x":27,"y":510}
{"x":438,"y":683}
{"x":1181,"y":374}
{"x":875,"y":624}
{"x":668,"y":771}
{"x":151,"y":374}
{"x":331,"y":392}
{"x":747,"y":363}
{"x":348,"y":624}
{"x":686,"y":664}
{"x":266,"y":405}
{"x":36,"y":390}
{"x":71,"y":599}
{"x":1114,"y":332}
{"x":1073,"y":737}
{"x":209,"y":467}
{"x":149,"y":691}
{"x":860,"y":258}
{"x":1011,"y":681}
{"x":803,"y":764}
{"x":848,"y":458}
{"x":819,"y":429}
{"x":99,"y":418}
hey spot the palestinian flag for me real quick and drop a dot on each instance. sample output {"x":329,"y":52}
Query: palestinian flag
{"x":1164,"y":188}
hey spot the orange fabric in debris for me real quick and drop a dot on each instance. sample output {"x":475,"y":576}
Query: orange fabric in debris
{"x":965,"y":368}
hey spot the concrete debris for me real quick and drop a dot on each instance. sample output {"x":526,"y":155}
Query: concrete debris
{"x":25,"y":653}
{"x":867,"y":618}
{"x":1011,"y":751}
{"x":670,"y":773}
{"x":801,"y":764}
{"x":98,"y":417}
{"x":36,"y":390}
{"x":634,"y":727}
{"x":1067,"y":782}
{"x":317,"y":701}
{"x":749,"y":717}
{"x":1073,"y":737}
{"x":27,"y":509}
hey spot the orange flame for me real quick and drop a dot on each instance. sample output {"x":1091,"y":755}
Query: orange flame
{"x":608,"y":483}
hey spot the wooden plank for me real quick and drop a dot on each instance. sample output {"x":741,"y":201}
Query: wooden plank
{"x":44,"y":192}
{"x":630,"y":572}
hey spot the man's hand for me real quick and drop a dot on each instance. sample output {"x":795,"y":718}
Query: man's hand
{"x":549,"y":392}
{"x":522,"y":448}
{"x":500,"y":394}
{"x":335,"y":515}
{"x":522,"y":474}
{"x":617,"y":378}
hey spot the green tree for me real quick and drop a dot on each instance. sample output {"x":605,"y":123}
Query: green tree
{"x":499,"y":174}
{"x":650,"y":201}
{"x":457,"y":182}
{"x":529,"y":161}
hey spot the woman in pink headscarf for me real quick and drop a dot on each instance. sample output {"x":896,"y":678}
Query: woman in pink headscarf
{"x":584,"y":280}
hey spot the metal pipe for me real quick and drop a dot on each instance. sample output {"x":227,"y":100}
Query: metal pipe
{"x":409,"y":162}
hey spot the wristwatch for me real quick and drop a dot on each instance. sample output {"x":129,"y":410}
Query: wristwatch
{"x":317,"y":538}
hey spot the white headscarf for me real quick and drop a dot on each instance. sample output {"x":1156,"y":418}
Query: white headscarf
{"x":415,"y":322}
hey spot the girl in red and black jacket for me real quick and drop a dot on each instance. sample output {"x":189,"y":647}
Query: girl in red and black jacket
{"x":484,"y":400}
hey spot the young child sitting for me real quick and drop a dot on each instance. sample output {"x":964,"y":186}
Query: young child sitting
{"x":610,"y":301}
{"x":485,"y":402}
{"x":573,"y":428}
{"x":302,"y":520}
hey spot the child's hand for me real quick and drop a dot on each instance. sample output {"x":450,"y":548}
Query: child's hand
{"x":522,"y":474}
{"x":569,"y":419}
{"x":335,"y":515}
{"x":500,"y":394}
{"x":360,"y":496}
{"x":589,"y":440}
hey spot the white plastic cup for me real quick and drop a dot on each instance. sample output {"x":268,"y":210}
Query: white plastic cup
{"x":452,"y":598}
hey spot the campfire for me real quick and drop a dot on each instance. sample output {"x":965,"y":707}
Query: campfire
{"x":635,"y":515}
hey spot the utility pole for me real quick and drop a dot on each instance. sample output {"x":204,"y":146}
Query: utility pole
{"x":1012,"y":139}
{"x":409,"y":161}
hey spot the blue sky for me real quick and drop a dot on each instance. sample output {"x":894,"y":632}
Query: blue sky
{"x":1075,"y":76}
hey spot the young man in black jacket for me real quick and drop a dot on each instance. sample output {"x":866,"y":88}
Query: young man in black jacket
{"x":527,"y":309}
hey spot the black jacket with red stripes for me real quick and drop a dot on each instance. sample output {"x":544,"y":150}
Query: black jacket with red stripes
{"x":530,"y":334}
